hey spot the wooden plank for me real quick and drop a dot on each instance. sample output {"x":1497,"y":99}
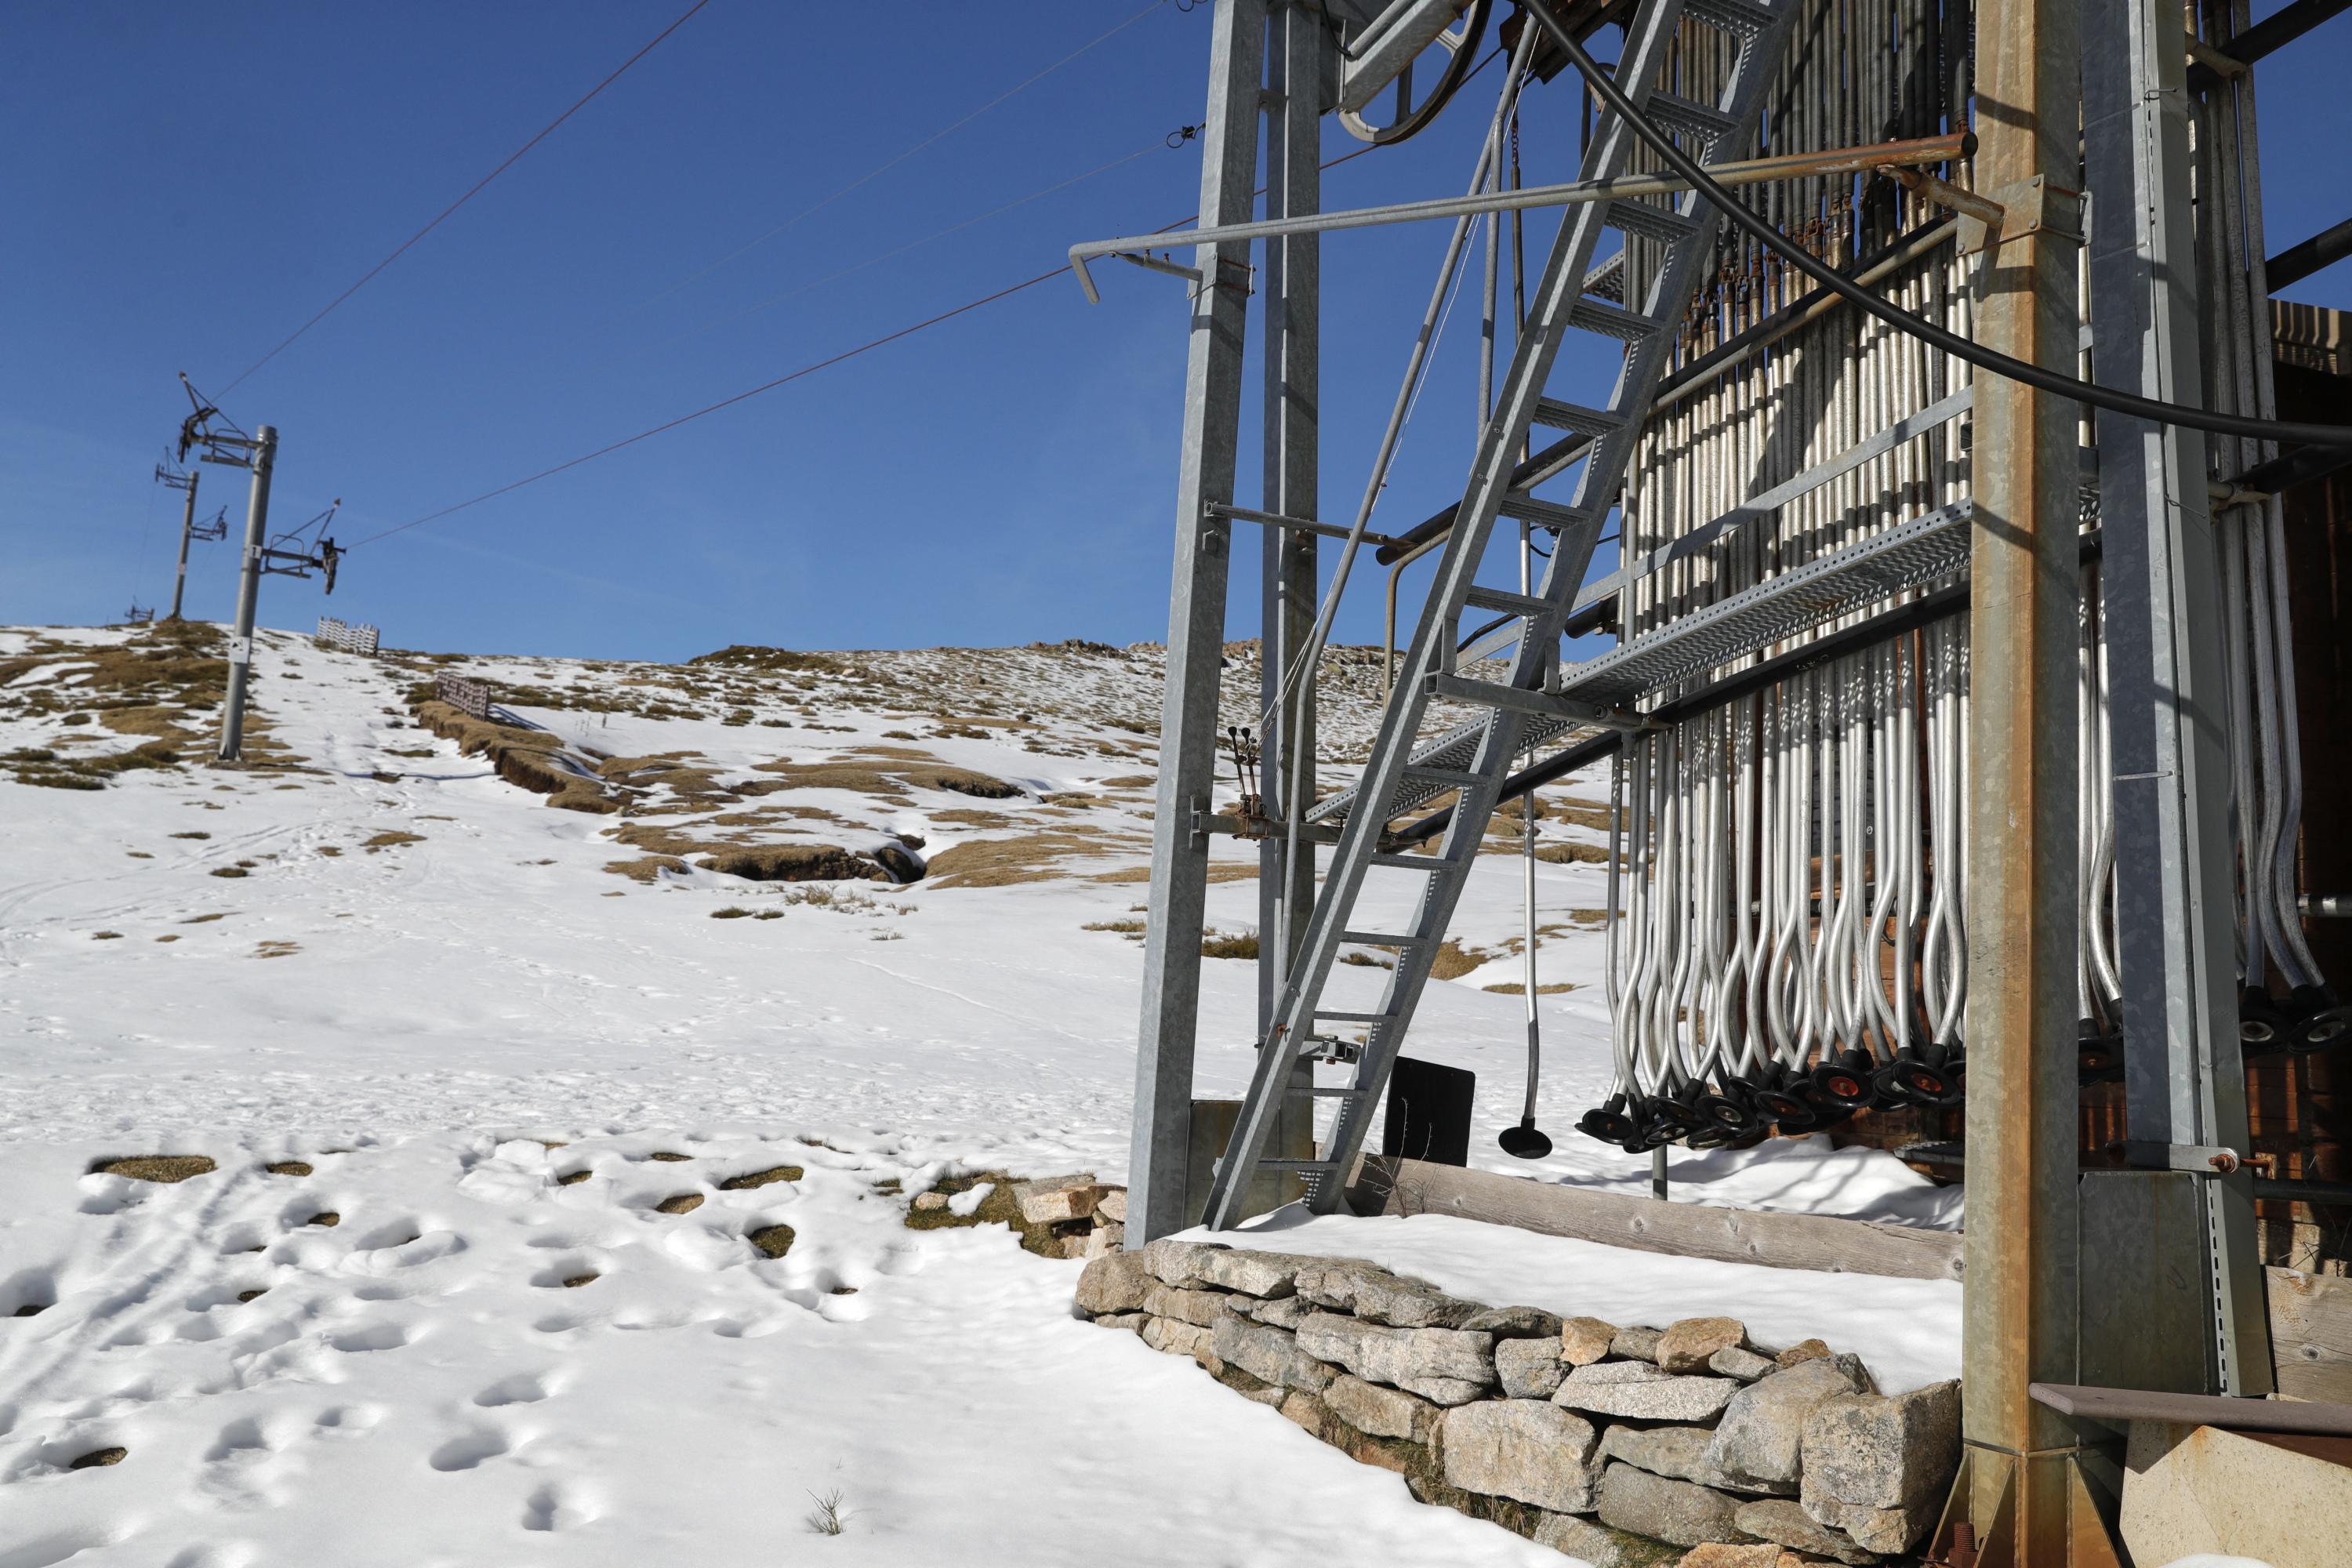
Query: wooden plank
{"x":1645,"y":1225}
{"x":2311,"y":1335}
{"x":2122,"y":1404}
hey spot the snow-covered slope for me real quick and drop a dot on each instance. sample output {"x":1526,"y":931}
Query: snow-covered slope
{"x":372,"y":954}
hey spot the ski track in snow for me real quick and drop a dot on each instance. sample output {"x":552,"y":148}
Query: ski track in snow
{"x":416,"y":1384}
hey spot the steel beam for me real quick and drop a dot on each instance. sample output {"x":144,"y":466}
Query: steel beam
{"x":187,"y":529}
{"x":2021,"y":1306}
{"x":2167,"y":705}
{"x":1188,"y":726}
{"x":1300,"y":61}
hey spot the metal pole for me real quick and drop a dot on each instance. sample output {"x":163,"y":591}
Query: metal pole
{"x":1188,"y":726}
{"x":2021,"y":1304}
{"x":187,"y":526}
{"x":249,"y":594}
{"x":1299,"y":60}
{"x":2184,"y":1080}
{"x":1929,"y":150}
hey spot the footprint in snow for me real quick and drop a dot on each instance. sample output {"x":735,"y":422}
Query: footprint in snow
{"x":468,"y":1449}
{"x":556,"y":1507}
{"x":522,"y":1388}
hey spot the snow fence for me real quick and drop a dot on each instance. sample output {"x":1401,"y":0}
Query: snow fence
{"x":1624,"y":1445}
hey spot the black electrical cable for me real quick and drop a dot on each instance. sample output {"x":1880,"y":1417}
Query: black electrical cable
{"x":1959,"y":348}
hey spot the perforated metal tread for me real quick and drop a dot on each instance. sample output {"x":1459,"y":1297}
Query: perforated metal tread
{"x":1904,"y":556}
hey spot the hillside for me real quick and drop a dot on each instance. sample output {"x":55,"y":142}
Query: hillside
{"x":507,"y":991}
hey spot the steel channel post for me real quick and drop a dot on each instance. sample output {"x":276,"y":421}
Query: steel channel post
{"x":187,"y":527}
{"x":2021,"y":1300}
{"x":264,"y":454}
{"x":1187,"y":727}
{"x":2184,"y":1080}
{"x":1301,"y":59}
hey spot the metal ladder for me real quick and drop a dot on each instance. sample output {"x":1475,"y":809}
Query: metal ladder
{"x":1399,"y":767}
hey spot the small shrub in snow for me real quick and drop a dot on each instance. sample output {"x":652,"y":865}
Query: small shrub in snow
{"x":827,"y":1518}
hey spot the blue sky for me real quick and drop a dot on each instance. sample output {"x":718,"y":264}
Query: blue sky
{"x":189,"y":185}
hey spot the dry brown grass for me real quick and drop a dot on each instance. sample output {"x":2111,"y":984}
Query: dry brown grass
{"x":773,"y":1241}
{"x":277,"y":948}
{"x":1130,"y":780}
{"x":1028,"y":857}
{"x":1518,"y":988}
{"x":1572,"y":854}
{"x":1453,"y":960}
{"x":289,"y":1168}
{"x":1216,"y":944}
{"x":761,"y":1178}
{"x":679,"y":1203}
{"x":155,"y":1167}
{"x":646,"y":868}
{"x":391,"y":840}
{"x":526,"y":758}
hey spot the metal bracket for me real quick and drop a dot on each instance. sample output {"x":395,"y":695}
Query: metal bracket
{"x":2196,"y":1159}
{"x":2028,"y":207}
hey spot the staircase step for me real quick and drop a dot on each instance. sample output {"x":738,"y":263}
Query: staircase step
{"x":1412,"y":862}
{"x":1701,"y":121}
{"x":1525,"y":508}
{"x":1513,"y":603}
{"x":1630,"y":215}
{"x":1383,"y":939}
{"x":1575,"y":417}
{"x":1740,"y":18}
{"x":1611,"y":321}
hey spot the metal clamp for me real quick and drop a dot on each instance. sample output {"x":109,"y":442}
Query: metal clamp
{"x":2197,"y":1159}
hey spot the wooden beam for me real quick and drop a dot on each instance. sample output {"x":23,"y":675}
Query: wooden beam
{"x":2311,"y":1335}
{"x":1645,"y":1225}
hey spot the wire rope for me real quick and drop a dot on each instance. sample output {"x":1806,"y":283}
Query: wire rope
{"x":471,"y":192}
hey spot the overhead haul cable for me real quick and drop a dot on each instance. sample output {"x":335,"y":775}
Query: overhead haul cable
{"x":471,"y":192}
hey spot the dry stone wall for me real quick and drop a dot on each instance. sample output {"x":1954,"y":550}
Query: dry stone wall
{"x":1627,"y":1446}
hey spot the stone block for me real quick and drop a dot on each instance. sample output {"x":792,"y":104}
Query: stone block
{"x":1778,"y":1520}
{"x":1529,"y":1369}
{"x":1583,"y":1341}
{"x":1378,"y":1296}
{"x":1640,"y":1391}
{"x":1681,"y":1454}
{"x":2267,"y":1496}
{"x":1286,"y":1312}
{"x":1174,"y":1336}
{"x":930,"y":1200}
{"x":1636,"y":1343}
{"x":1513,"y":1323}
{"x":1448,"y":1366}
{"x":1381,"y":1412}
{"x":1890,"y":1531}
{"x":1604,"y":1547}
{"x":1680,"y":1512}
{"x":1305,"y":1410}
{"x":1269,"y":1354}
{"x":1526,"y":1450}
{"x":1131,"y":1321}
{"x":1112,"y":1205}
{"x":1763,"y":1426}
{"x":1867,"y":1451}
{"x":1265,"y":1275}
{"x":1745,"y":1366}
{"x":1804,"y":1349}
{"x":1066,"y":1199}
{"x":1116,"y":1283}
{"x":1099,"y":1242}
{"x":1202,"y":1308}
{"x":1685,"y":1346}
{"x":1180,"y":1263}
{"x":1722,"y":1555}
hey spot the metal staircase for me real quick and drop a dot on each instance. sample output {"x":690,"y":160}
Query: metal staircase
{"x":1403,"y":770}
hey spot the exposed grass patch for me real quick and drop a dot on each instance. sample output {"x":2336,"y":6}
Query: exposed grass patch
{"x":761,"y":1178}
{"x":106,"y":936}
{"x":277,"y":948}
{"x":679,"y":1203}
{"x":1366,"y":961}
{"x":773,"y":1241}
{"x":1216,"y":944}
{"x":391,"y":840}
{"x":732,"y":912}
{"x":228,"y":872}
{"x":325,"y":1218}
{"x":289,"y":1168}
{"x":1453,"y":960}
{"x":99,"y":1457}
{"x":155,"y":1167}
{"x":198,"y":835}
{"x":572,"y":1178}
{"x":1572,"y":854}
{"x":998,"y":1207}
{"x":1518,"y":988}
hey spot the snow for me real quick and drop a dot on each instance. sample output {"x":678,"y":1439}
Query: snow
{"x":417,"y":1385}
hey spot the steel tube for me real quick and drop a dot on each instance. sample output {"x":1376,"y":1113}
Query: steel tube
{"x":1748,"y":172}
{"x":248,"y":594}
{"x":187,"y":528}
